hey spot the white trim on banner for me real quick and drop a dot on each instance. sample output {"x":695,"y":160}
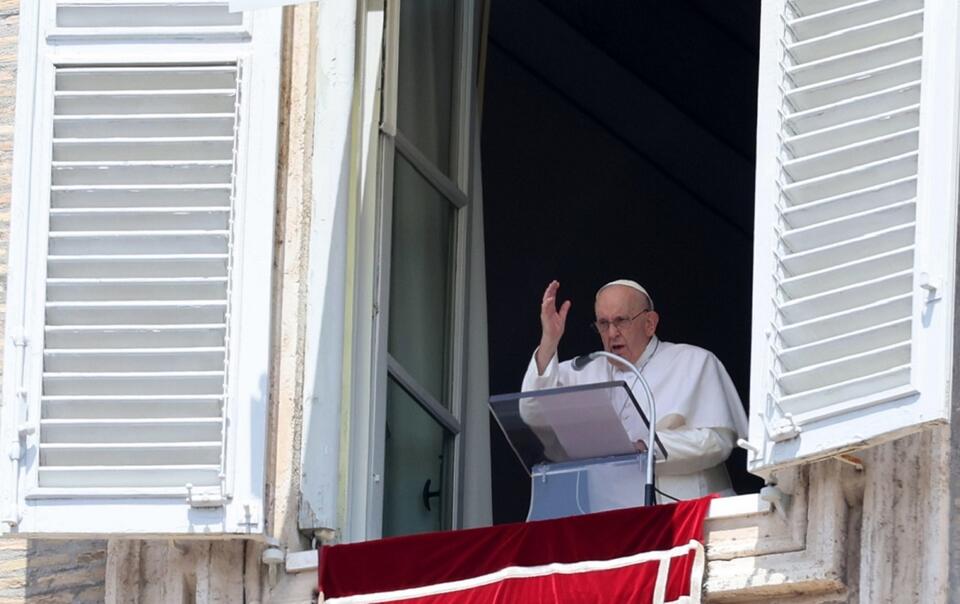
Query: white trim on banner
{"x":519,"y":572}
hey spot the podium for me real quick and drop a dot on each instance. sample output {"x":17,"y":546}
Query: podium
{"x":574,"y":444}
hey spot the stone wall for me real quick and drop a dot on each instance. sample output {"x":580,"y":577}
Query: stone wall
{"x":41,"y":572}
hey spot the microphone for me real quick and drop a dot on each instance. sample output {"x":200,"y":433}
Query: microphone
{"x":583,"y":360}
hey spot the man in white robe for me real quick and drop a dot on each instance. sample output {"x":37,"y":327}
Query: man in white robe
{"x":699,"y":415}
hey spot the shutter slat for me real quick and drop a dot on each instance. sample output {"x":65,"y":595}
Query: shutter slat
{"x":858,"y":61}
{"x":858,"y":392}
{"x":845,"y":345}
{"x":134,"y":359}
{"x":843,"y":275}
{"x":143,"y":125}
{"x":127,"y":477}
{"x":125,"y":336}
{"x":849,"y":297}
{"x":145,"y":265}
{"x":848,"y":321}
{"x":865,"y":200}
{"x":868,"y":245}
{"x":848,"y":133}
{"x":103,"y":102}
{"x":845,"y":369}
{"x":162,"y":218}
{"x":847,"y":228}
{"x":131,"y":383}
{"x":857,"y":37}
{"x":856,"y":84}
{"x":146,"y":312}
{"x":819,"y":18}
{"x":119,"y":196}
{"x":851,"y":156}
{"x":177,"y":15}
{"x":850,"y":180}
{"x":852,"y":109}
{"x":119,"y":289}
{"x":159,"y":79}
{"x":135,"y":454}
{"x":97,"y":243}
{"x":131,"y":407}
{"x":153,"y":430}
{"x":141,"y":174}
{"x":144,"y":149}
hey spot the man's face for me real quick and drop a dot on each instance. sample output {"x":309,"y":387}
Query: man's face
{"x":631,"y":339}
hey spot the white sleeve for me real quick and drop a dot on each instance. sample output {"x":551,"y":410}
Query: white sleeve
{"x":692,"y":450}
{"x":533,"y":380}
{"x":530,"y":407}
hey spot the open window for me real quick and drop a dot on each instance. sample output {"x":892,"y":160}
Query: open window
{"x":136,"y":357}
{"x":618,"y":141}
{"x":615,"y":140}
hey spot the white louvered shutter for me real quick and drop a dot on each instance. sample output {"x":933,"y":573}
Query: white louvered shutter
{"x":856,"y":209}
{"x":136,"y":357}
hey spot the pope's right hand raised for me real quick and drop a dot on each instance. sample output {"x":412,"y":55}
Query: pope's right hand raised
{"x":552,"y":323}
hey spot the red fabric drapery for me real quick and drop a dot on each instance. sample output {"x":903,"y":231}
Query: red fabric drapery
{"x":608,"y":556}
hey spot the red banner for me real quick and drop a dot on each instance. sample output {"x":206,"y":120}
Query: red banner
{"x":635,"y":555}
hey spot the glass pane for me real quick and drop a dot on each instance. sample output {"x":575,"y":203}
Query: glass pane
{"x":426,"y":76}
{"x":414,"y":453}
{"x":420,"y":278}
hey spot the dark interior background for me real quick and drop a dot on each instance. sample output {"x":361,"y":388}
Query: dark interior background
{"x":618,"y":141}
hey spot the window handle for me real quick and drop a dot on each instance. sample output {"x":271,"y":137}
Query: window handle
{"x":427,"y":495}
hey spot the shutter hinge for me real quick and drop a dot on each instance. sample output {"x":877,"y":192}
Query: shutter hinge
{"x":251,"y":517}
{"x":781,"y":429}
{"x":11,"y":517}
{"x":11,"y":513}
{"x":15,"y":449}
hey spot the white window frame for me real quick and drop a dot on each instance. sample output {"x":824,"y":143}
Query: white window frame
{"x":362,"y":491}
{"x":28,"y":509}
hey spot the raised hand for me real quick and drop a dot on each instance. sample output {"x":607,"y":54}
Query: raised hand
{"x":552,"y":324}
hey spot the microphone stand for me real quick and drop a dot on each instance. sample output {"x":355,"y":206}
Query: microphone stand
{"x":649,"y":489}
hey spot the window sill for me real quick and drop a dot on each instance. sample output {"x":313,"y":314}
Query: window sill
{"x":756,"y":552}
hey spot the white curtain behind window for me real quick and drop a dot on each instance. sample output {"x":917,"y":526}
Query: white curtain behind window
{"x":425,"y":83}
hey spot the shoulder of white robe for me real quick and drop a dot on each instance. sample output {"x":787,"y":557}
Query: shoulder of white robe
{"x":712,"y":373}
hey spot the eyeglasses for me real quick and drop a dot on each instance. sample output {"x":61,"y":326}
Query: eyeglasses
{"x":602,"y":325}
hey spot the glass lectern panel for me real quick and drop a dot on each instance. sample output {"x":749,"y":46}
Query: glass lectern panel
{"x":573,"y":423}
{"x":581,"y":445}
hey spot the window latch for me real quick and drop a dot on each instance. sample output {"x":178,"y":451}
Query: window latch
{"x":205,"y":497}
{"x":782,"y":428}
{"x":931,"y":285}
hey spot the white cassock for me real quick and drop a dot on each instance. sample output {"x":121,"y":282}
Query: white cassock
{"x":699,"y":415}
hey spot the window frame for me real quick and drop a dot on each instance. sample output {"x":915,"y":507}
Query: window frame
{"x":456,"y":188}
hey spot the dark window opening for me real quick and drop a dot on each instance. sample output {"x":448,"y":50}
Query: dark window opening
{"x":618,"y":141}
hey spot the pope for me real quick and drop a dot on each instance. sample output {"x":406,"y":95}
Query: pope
{"x":699,"y":415}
